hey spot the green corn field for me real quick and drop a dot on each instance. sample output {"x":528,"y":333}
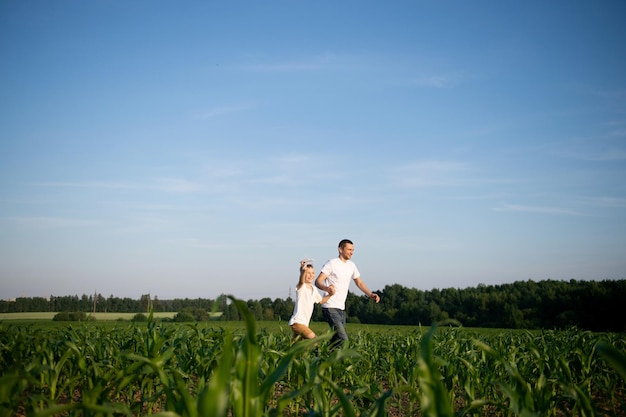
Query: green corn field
{"x":195,"y":370}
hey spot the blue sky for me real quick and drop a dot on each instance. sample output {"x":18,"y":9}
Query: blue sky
{"x":190,"y":149}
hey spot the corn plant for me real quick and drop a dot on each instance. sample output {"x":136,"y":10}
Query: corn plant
{"x":230,"y":369}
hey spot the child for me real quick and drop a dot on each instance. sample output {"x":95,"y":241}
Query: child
{"x":306,"y":297}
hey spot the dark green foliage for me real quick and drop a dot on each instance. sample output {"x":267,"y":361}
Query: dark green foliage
{"x":140,"y":317}
{"x":184,"y":316}
{"x":549,"y":304}
{"x":73,"y":316}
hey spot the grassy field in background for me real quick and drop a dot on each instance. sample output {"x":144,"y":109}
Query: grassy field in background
{"x":44,"y":320}
{"x":97,"y":316}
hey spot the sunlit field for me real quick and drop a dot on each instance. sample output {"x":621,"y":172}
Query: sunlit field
{"x":44,"y":319}
{"x":96,"y":316}
{"x":248,"y":368}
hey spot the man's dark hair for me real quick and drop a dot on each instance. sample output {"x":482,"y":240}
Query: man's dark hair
{"x":345,"y":242}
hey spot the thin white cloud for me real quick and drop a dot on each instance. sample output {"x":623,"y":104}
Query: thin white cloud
{"x":605,"y":155}
{"x":618,"y":133}
{"x":429,"y":173}
{"x":444,"y":79}
{"x":265,"y":202}
{"x":199,"y":243}
{"x":436,"y":81}
{"x":477,"y":197}
{"x":152,"y":207}
{"x":225,"y":110}
{"x":222,"y":172}
{"x":90,"y":184}
{"x":195,"y":243}
{"x":606,"y":145}
{"x":616,"y":128}
{"x":609,"y":202}
{"x":592,"y":90}
{"x":324,"y":61}
{"x":613,"y":154}
{"x":537,"y":209}
{"x":43,"y":222}
{"x":176,"y":185}
{"x":285,"y":169}
{"x":296,"y":159}
{"x":274,"y":180}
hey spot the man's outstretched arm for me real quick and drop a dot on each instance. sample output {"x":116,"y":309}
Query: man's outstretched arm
{"x":359,"y":283}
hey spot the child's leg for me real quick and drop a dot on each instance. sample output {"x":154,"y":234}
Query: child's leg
{"x":300,"y":330}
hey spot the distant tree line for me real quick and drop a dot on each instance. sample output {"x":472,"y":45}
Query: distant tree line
{"x":591,"y":305}
{"x":549,"y":304}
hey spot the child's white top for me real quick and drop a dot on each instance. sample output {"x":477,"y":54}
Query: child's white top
{"x":306,"y":297}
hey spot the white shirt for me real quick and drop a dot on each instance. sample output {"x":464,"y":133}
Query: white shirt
{"x":305,"y":301}
{"x":339,"y":274}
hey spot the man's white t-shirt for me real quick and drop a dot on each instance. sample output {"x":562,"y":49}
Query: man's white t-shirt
{"x":305,"y":301}
{"x":339,"y":274}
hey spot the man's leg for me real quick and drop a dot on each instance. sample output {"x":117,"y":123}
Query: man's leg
{"x":337,"y":321}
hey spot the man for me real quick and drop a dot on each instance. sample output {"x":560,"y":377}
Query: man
{"x":334,"y":279}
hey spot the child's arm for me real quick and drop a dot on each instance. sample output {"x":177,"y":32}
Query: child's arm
{"x":325,"y":298}
{"x":301,"y":280}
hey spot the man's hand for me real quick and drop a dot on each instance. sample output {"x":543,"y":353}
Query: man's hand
{"x":331,"y":290}
{"x":375,"y":297}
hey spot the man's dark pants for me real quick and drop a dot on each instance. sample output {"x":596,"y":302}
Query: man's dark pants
{"x":336,"y":319}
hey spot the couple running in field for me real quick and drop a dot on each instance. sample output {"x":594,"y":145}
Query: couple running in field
{"x":334,"y":279}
